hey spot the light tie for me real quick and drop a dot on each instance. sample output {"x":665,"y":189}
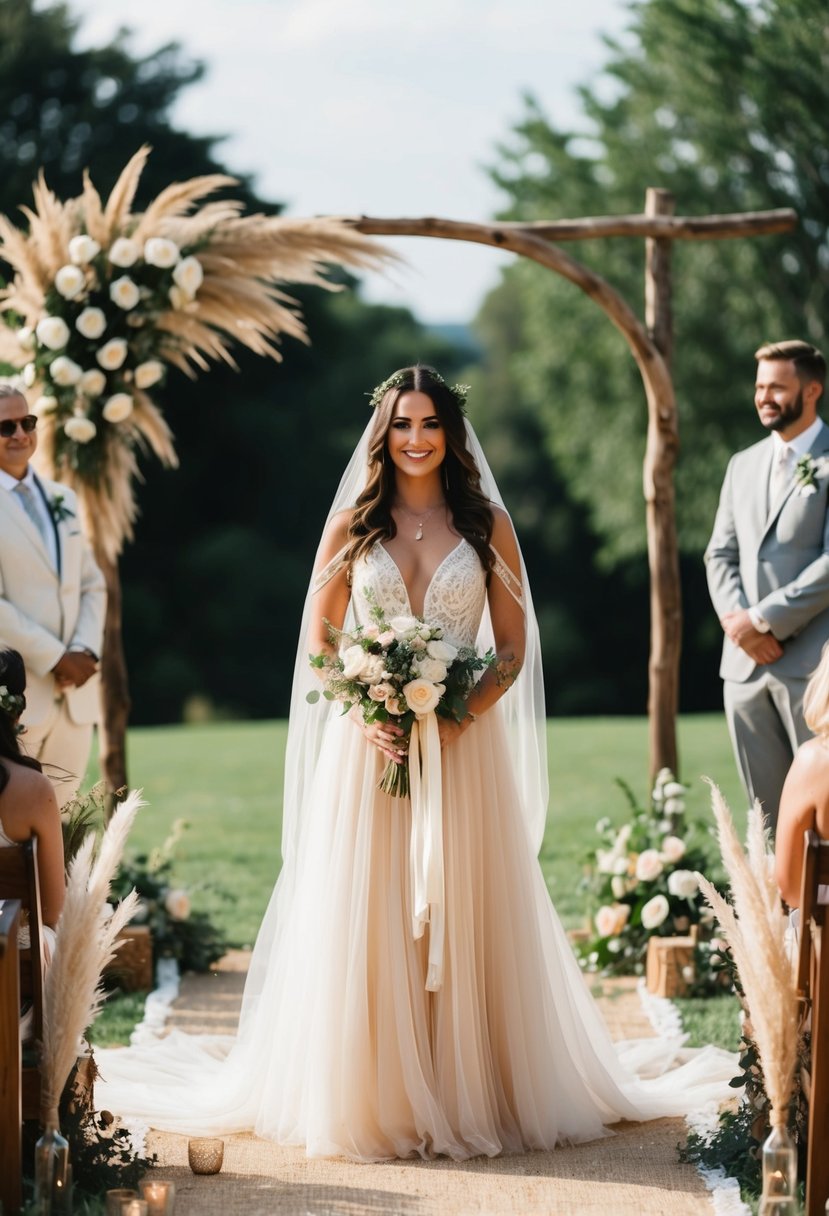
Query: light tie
{"x":780,"y":474}
{"x":26,"y":498}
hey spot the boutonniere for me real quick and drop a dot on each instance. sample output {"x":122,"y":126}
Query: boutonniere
{"x":59,"y":510}
{"x":806,"y":472}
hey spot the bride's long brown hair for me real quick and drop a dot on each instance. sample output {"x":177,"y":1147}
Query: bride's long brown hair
{"x":471,"y":510}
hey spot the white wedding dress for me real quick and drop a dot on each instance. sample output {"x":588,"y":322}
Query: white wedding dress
{"x":341,"y":1048}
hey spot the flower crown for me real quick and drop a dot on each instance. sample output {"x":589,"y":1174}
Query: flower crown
{"x":11,"y":703}
{"x":459,"y":391}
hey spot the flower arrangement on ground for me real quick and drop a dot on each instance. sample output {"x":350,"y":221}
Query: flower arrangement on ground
{"x":178,"y":930}
{"x":398,"y":669}
{"x":105,"y":299}
{"x":641,"y":880}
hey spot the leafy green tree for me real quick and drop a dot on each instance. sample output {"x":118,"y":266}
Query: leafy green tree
{"x":722,"y":102}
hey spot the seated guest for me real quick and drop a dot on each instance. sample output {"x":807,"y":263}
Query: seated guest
{"x":804,"y":802}
{"x":28,"y":806}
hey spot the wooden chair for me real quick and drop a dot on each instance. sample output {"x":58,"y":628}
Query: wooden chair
{"x":813,"y":984}
{"x":10,"y":1058}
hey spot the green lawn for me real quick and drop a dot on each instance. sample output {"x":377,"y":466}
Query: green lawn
{"x":225,"y":779}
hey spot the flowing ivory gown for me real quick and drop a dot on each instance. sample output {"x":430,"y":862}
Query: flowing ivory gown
{"x":341,"y":1048}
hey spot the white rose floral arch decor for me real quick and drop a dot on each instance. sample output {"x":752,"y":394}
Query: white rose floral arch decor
{"x":103,"y":300}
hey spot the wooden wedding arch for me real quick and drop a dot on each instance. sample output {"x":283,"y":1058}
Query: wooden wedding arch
{"x":651,"y":345}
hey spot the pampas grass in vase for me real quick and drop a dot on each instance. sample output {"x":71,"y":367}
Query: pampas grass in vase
{"x":73,"y":994}
{"x":754,"y":924}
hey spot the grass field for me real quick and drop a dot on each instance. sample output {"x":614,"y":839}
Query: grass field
{"x":225,"y":779}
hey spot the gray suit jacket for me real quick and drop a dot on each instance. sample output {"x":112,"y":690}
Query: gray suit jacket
{"x":45,"y":611}
{"x":773,"y":556}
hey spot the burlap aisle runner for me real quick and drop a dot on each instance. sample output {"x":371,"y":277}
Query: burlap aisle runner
{"x":633,"y":1173}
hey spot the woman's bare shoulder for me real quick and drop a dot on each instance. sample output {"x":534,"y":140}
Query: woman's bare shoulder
{"x":27,"y":798}
{"x":812,"y":757}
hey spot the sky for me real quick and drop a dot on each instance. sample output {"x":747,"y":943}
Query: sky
{"x":346,"y":107}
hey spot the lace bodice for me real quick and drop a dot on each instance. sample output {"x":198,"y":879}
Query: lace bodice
{"x":454,"y":598}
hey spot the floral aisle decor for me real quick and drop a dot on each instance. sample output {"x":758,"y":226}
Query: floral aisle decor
{"x":177,"y":929}
{"x":641,"y":880}
{"x":104,"y":300}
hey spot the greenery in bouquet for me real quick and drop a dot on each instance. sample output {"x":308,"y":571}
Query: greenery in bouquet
{"x":398,"y":670}
{"x":178,"y":930}
{"x":641,"y":881}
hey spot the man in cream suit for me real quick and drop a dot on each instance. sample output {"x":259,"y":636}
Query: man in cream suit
{"x":768,"y":568}
{"x":52,"y":602}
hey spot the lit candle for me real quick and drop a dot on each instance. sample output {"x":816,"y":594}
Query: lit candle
{"x":134,"y":1207}
{"x":159,"y":1197}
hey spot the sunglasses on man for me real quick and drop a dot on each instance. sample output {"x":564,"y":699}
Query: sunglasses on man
{"x":8,"y":426}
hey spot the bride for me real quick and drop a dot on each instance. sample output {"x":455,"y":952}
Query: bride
{"x":363,"y":1031}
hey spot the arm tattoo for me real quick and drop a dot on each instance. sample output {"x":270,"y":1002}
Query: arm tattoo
{"x":506,"y":672}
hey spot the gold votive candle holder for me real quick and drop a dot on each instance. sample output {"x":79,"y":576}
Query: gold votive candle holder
{"x":159,"y":1196}
{"x":115,"y":1198}
{"x":205,"y":1155}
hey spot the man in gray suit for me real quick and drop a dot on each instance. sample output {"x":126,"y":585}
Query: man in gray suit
{"x":768,"y":568}
{"x":52,"y":602}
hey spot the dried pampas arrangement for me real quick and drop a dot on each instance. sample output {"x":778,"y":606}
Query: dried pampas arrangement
{"x":754,"y":925}
{"x":104,"y":299}
{"x":86,"y":941}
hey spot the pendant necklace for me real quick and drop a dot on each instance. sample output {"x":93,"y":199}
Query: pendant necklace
{"x":420,"y":517}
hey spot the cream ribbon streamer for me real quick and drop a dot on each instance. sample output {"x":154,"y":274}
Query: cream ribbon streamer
{"x":426,"y":851}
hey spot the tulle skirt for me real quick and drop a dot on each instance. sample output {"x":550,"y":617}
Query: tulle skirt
{"x":340,"y":1046}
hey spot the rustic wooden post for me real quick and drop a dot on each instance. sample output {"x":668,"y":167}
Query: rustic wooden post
{"x":658,"y":485}
{"x":115,"y":694}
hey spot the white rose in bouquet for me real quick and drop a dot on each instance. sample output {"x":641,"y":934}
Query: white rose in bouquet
{"x":52,"y":332}
{"x":69,"y":281}
{"x":403,"y":625}
{"x":44,"y":405}
{"x":118,"y":407}
{"x":149,"y":373}
{"x":93,"y":382}
{"x":91,"y":323}
{"x":29,"y":374}
{"x":674,"y":790}
{"x":673,"y":849}
{"x":674,"y":806}
{"x":445,"y":652}
{"x":177,"y":903}
{"x":655,"y":911}
{"x":65,"y":371}
{"x":372,"y":672}
{"x":422,"y":696}
{"x":649,"y":865}
{"x":683,"y":884}
{"x":26,"y":337}
{"x":188,"y":275}
{"x":112,"y":354}
{"x":430,"y":669}
{"x":81,"y":430}
{"x":124,"y":252}
{"x":619,"y":886}
{"x":82,"y":249}
{"x":160,"y":252}
{"x":124,"y":293}
{"x":353,"y":659}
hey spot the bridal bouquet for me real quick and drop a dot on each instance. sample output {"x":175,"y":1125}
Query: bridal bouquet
{"x":398,"y":670}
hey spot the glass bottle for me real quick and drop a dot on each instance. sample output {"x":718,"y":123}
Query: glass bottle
{"x":779,"y":1174}
{"x":53,"y":1173}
